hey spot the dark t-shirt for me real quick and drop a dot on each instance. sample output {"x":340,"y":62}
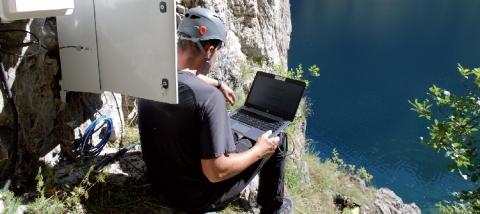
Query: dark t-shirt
{"x":176,"y":137}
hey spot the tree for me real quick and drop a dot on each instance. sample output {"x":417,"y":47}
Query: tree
{"x":456,"y":135}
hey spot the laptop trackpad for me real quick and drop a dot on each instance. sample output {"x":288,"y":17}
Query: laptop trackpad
{"x":240,"y":128}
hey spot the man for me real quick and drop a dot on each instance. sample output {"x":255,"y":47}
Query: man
{"x":189,"y":149}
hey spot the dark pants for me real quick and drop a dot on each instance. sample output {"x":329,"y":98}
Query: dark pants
{"x":271,"y":184}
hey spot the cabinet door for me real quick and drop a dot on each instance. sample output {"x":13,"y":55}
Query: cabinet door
{"x":79,"y":68}
{"x":137,"y":47}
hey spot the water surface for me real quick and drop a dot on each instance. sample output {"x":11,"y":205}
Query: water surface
{"x":374,"y":56}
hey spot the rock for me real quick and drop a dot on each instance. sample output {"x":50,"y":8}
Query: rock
{"x":387,"y":202}
{"x":250,"y":192}
{"x":129,"y":165}
{"x":1,"y":205}
{"x":306,"y":174}
{"x":21,"y":209}
{"x":112,"y":106}
{"x":129,"y":108}
{"x":257,"y":30}
{"x":179,"y":19}
{"x":181,"y":9}
{"x":44,"y":120}
{"x":52,"y":157}
{"x":360,"y":182}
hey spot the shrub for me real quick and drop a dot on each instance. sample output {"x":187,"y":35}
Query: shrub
{"x":455,"y":134}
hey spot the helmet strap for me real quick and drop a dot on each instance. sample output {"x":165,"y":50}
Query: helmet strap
{"x":207,"y":58}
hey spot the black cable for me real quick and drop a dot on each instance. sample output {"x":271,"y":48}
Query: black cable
{"x":21,"y":45}
{"x":11,"y":169}
{"x":58,"y":48}
{"x":17,"y":45}
{"x":112,"y":158}
{"x":293,"y":143}
{"x":78,"y":47}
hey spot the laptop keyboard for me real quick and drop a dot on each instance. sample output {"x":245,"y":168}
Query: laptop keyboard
{"x":258,"y":121}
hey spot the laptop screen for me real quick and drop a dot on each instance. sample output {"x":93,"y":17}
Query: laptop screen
{"x":276,"y":95}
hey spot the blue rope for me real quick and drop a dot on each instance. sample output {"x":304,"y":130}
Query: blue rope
{"x":86,"y":146}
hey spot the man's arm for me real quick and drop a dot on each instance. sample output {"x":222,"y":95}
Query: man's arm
{"x":226,"y":91}
{"x":226,"y":166}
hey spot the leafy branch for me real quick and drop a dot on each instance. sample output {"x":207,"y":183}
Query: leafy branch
{"x":456,"y":135}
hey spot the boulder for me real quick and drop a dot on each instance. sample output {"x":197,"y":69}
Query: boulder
{"x":44,"y":121}
{"x":387,"y":202}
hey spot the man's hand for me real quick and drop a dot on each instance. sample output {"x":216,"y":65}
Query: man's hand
{"x":228,"y":94}
{"x":226,"y":166}
{"x":226,"y":91}
{"x":266,"y":146}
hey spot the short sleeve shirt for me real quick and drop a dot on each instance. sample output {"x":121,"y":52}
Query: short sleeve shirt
{"x":175,"y":137}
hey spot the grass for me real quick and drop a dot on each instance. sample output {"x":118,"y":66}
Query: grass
{"x":132,"y":196}
{"x":11,"y":203}
{"x":311,"y":182}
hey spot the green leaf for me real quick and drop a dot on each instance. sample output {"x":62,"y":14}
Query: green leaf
{"x":472,"y":157}
{"x":474,"y":177}
{"x":470,"y":168}
{"x":452,"y":167}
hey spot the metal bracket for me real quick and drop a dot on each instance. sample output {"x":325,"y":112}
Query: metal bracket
{"x":65,"y":96}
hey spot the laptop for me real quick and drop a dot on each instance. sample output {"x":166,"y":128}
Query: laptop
{"x":271,"y":105}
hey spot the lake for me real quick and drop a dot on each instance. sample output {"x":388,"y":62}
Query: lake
{"x":374,"y":56}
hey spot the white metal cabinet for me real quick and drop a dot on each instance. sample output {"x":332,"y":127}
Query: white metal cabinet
{"x":134,"y":44}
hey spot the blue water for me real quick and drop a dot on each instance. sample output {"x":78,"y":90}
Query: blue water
{"x":374,"y":56}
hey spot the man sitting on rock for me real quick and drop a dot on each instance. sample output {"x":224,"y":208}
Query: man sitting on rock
{"x":191,"y":155}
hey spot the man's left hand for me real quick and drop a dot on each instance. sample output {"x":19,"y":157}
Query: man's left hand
{"x":228,"y":94}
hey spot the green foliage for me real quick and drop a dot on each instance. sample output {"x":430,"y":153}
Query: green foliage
{"x":54,"y":198}
{"x":43,"y":204}
{"x":304,"y":107}
{"x":339,"y":164}
{"x":455,"y":134}
{"x":187,"y":3}
{"x":260,"y":63}
{"x":11,"y":202}
{"x":298,"y":73}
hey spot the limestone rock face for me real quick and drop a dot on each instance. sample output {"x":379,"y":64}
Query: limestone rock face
{"x":387,"y":202}
{"x":44,"y":121}
{"x":258,"y":30}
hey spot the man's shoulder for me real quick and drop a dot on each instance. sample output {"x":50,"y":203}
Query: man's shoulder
{"x":204,"y":93}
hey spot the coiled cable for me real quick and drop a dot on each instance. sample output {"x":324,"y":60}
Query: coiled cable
{"x":86,"y":146}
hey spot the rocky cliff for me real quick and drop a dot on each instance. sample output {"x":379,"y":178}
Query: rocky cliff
{"x":257,"y":30}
